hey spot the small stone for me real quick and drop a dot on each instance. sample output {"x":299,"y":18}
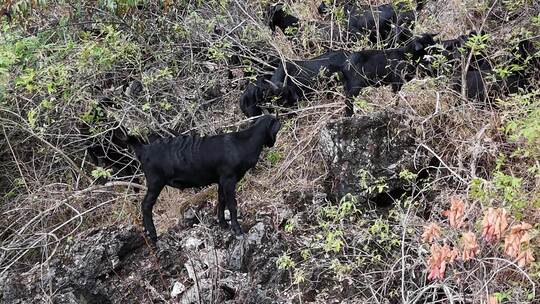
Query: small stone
{"x":134,"y":89}
{"x":177,"y":289}
{"x":190,"y":215}
{"x":195,"y":268}
{"x":256,"y":233}
{"x":237,"y":256}
{"x":192,"y":243}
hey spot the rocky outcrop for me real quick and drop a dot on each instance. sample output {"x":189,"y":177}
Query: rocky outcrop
{"x":364,"y":156}
{"x":201,"y":264}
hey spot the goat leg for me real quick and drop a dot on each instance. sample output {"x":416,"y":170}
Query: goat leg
{"x":221,"y":208}
{"x":229,"y":191}
{"x":146,"y":207}
{"x":349,"y":107}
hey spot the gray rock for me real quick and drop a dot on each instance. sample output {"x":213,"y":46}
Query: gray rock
{"x":134,"y":89}
{"x":367,"y":151}
{"x":178,"y":288}
{"x":196,"y":265}
{"x":283,"y":213}
{"x":77,"y":275}
{"x":212,"y":257}
{"x":192,"y":243}
{"x":190,"y":217}
{"x":256,"y":233}
{"x":243,"y":248}
{"x":200,"y":292}
{"x":238,"y":255}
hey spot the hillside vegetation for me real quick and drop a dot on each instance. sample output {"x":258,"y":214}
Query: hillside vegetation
{"x":469,"y":234}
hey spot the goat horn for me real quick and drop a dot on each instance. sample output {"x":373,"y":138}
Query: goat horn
{"x":273,"y":85}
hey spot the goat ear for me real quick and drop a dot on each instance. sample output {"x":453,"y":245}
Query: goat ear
{"x":418,"y":46}
{"x":295,"y":96}
{"x":273,"y":130}
{"x":278,"y":7}
{"x":243,"y":104}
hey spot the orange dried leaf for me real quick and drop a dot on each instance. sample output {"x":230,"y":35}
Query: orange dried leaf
{"x":437,"y":263}
{"x":511,"y":245}
{"x":431,"y":232}
{"x":492,"y":300}
{"x":440,"y":256}
{"x":166,"y":5}
{"x":525,"y":258}
{"x":494,"y":224}
{"x":456,"y":212}
{"x":516,"y":244}
{"x":470,"y":246}
{"x":454,"y":253}
{"x":518,"y":235}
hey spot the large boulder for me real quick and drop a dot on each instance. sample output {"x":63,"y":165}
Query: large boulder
{"x":202,"y":264}
{"x":77,"y":275}
{"x":365,"y":155}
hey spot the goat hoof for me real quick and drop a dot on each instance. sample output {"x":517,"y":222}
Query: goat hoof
{"x":153,"y":247}
{"x":151,"y":241}
{"x":238,"y":231}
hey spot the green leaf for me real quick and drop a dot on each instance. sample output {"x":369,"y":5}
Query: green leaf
{"x":101,"y":172}
{"x":32,"y":117}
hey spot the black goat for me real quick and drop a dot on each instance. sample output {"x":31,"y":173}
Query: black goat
{"x":391,"y":23}
{"x":454,"y":51}
{"x":191,"y":161}
{"x":294,"y":79}
{"x":254,"y":95}
{"x":384,"y":67}
{"x":323,"y":7}
{"x":290,"y":82}
{"x":485,"y":85}
{"x":288,"y":24}
{"x":112,"y":152}
{"x":450,"y":48}
{"x":109,"y":149}
{"x":258,"y":92}
{"x":278,"y":17}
